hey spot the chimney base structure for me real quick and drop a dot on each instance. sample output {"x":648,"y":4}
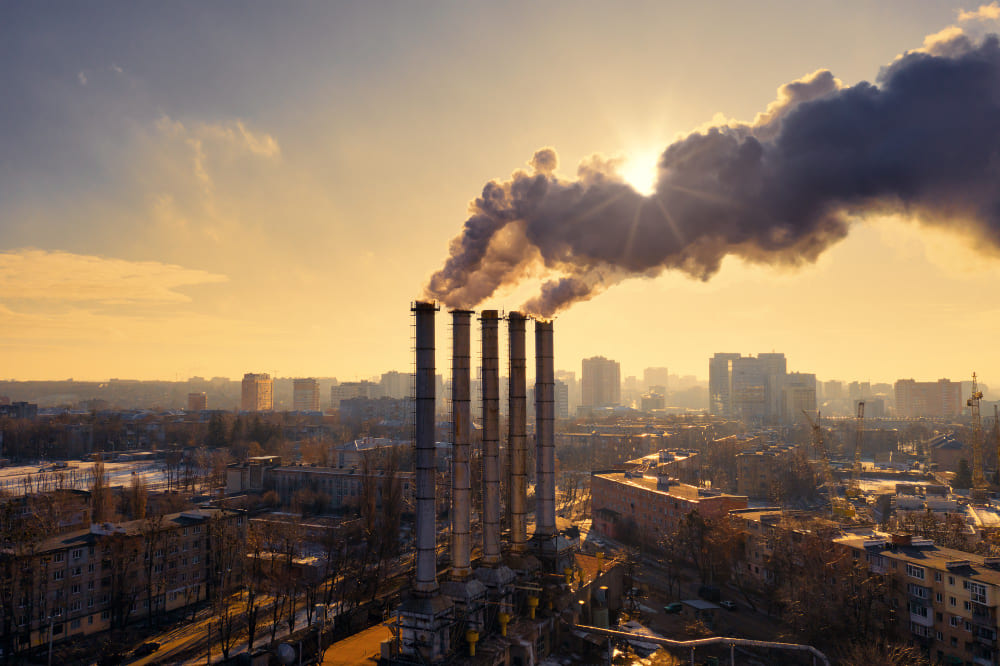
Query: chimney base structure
{"x":425,"y":620}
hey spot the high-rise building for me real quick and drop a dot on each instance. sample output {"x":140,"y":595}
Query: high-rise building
{"x":349,"y":390}
{"x":941,"y":398}
{"x":197,"y":401}
{"x":602,"y":382}
{"x":257,"y":394}
{"x":800,"y":395}
{"x":305,"y":395}
{"x":396,"y":384}
{"x":719,"y":402}
{"x":655,"y":377}
{"x":748,"y":388}
{"x":562,"y":400}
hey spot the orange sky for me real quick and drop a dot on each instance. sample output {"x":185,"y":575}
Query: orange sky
{"x":187,"y":192}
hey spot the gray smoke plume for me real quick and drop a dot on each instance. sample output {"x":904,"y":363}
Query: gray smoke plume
{"x":924,"y":141}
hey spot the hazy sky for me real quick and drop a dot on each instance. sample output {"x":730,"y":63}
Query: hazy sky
{"x":215,"y":188}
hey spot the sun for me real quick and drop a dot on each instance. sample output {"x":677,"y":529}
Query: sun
{"x":639,"y":170}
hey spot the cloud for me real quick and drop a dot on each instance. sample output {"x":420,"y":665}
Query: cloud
{"x":988,"y":12}
{"x":116,"y":69}
{"x":40,"y":275}
{"x":82,"y":78}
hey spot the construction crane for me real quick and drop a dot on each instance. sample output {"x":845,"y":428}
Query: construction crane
{"x":854,"y":490}
{"x":996,"y":437}
{"x":978,"y":478}
{"x":838,"y":505}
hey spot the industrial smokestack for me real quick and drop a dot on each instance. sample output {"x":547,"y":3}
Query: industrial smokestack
{"x":461,"y":477}
{"x":426,"y":579}
{"x":491,"y":437}
{"x":517,"y":443}
{"x":780,"y":190}
{"x":545,"y":444}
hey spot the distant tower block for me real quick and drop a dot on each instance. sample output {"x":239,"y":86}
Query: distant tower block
{"x":518,"y":444}
{"x":197,"y":401}
{"x":257,"y":391}
{"x":305,"y":395}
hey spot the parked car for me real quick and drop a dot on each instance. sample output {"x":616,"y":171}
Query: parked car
{"x":146,"y":649}
{"x":672,"y":608}
{"x":728,"y":605}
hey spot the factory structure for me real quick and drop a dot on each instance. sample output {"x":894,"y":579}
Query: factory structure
{"x":518,"y":600}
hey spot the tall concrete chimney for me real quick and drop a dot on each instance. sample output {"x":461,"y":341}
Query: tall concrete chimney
{"x":518,"y":442}
{"x":545,"y":445}
{"x":426,"y":584}
{"x":491,"y":437}
{"x":461,"y":477}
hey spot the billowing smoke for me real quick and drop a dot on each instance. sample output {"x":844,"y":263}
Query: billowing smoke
{"x":924,"y":141}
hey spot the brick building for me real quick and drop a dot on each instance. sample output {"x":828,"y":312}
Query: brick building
{"x":651,"y":505}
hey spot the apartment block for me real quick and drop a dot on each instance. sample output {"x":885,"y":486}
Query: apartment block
{"x":941,"y":399}
{"x":946,"y":599}
{"x":257,"y":392}
{"x":305,"y":395}
{"x":108,"y":576}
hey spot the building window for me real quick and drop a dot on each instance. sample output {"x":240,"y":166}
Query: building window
{"x":978,"y":592}
{"x":937,"y":576}
{"x":77,"y":553}
{"x":938,"y":597}
{"x":938,"y":635}
{"x":58,"y":575}
{"x":956,"y":621}
{"x":914,"y":572}
{"x":951,"y":601}
{"x":951,"y":580}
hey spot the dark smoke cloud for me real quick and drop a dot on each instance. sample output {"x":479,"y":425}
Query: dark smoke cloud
{"x":924,"y":141}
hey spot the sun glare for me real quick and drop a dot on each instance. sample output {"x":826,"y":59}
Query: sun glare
{"x":639,"y":170}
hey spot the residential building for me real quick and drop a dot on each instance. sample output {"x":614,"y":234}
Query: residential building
{"x":653,"y":377}
{"x":197,"y":402}
{"x":941,"y":399}
{"x":257,"y":393}
{"x":396,"y":385}
{"x":719,"y":401}
{"x":305,"y":395}
{"x":634,"y":505}
{"x":757,"y":472}
{"x":349,"y":390}
{"x":947,"y":599}
{"x":562,"y":400}
{"x":800,"y":396}
{"x":602,"y":379}
{"x":88,"y":581}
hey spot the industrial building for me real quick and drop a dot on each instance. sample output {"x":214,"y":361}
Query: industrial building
{"x":643,"y":506}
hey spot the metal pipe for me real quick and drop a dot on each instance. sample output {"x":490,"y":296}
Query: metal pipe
{"x":425,"y":583}
{"x":702,"y":642}
{"x":545,"y":456}
{"x":518,"y":441}
{"x":461,"y":481}
{"x":491,"y":437}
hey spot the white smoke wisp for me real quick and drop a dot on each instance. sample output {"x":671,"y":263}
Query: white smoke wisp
{"x":924,"y":140}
